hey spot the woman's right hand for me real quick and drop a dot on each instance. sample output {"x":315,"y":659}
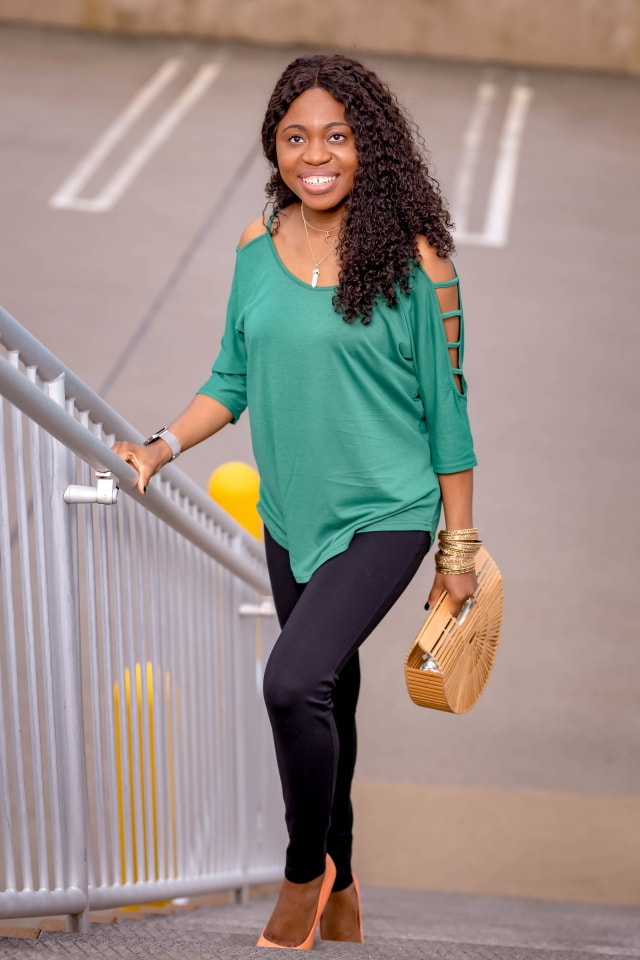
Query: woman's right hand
{"x":146,"y":460}
{"x":203,"y":417}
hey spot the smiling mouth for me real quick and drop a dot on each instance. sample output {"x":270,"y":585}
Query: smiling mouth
{"x":318,"y":181}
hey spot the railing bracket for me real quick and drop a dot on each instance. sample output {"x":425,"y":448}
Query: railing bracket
{"x":263,"y":609}
{"x":105,"y":492}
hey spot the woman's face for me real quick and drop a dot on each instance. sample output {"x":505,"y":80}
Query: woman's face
{"x":316,"y":151}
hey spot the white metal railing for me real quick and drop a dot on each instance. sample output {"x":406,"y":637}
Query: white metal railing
{"x":135,"y":759}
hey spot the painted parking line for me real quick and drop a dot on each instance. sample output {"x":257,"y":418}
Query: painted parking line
{"x":68,"y":197}
{"x":471,"y":144}
{"x":503,"y":182}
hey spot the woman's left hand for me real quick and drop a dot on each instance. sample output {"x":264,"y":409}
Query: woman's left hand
{"x":459,"y":586}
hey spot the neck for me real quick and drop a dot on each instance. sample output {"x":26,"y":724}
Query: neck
{"x":319,"y":220}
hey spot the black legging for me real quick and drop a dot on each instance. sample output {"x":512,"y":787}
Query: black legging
{"x":312,"y":680}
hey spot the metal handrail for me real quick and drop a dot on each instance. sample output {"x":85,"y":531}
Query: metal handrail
{"x":50,"y":415}
{"x":132,"y":644}
{"x":13,"y":336}
{"x":54,"y":418}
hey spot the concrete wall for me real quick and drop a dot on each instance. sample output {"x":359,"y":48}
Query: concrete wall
{"x":582,"y":34}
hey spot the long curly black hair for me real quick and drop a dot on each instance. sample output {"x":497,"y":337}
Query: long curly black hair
{"x":394,"y":196}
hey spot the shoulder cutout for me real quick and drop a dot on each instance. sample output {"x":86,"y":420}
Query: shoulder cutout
{"x":441,"y":272}
{"x":255,"y":229}
{"x":438,"y":269}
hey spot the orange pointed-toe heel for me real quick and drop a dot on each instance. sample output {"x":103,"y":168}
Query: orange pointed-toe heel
{"x":325,"y":892}
{"x":356,"y":887}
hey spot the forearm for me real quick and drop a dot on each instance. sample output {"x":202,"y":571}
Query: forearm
{"x":457,"y":502}
{"x":457,"y":499}
{"x":203,"y":417}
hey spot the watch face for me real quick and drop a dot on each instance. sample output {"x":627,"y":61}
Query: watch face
{"x":154,"y":436}
{"x":164,"y":434}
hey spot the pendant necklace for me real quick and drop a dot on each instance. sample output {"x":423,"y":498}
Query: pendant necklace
{"x":315,"y":273}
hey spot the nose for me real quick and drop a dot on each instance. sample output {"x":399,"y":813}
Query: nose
{"x":316,"y":152}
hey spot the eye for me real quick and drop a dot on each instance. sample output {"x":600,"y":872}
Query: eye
{"x":337,"y":137}
{"x":296,"y":138}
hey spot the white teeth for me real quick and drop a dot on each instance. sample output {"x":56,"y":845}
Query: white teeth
{"x":316,"y":181}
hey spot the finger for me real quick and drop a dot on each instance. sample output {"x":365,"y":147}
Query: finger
{"x":124,"y":450}
{"x":142,"y":484}
{"x":431,"y":599}
{"x":454,"y":606}
{"x":129,"y":457}
{"x":434,"y":594}
{"x":458,"y":602}
{"x":143,"y":479}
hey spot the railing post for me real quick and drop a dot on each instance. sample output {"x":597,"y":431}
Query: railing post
{"x":66,"y":665}
{"x":241,"y":894}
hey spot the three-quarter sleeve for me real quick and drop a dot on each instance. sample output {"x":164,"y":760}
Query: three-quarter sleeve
{"x":445,"y":405}
{"x":228,"y":381}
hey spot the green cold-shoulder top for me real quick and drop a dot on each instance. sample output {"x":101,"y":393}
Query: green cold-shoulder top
{"x":350,"y":423}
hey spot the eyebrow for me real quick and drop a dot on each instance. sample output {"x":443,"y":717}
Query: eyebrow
{"x":327,"y":126}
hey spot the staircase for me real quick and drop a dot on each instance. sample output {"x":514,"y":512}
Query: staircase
{"x":398,"y":926}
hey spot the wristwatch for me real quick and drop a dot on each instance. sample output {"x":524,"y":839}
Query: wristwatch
{"x":168,"y":437}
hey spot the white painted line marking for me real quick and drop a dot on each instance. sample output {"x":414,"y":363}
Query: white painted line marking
{"x":501,"y":193}
{"x":67,"y":195}
{"x":504,"y":177}
{"x":159,"y":133}
{"x":157,"y":136}
{"x":471,"y":143}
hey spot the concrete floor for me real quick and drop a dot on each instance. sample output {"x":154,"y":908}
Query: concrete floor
{"x":398,"y":925}
{"x":133,"y":300}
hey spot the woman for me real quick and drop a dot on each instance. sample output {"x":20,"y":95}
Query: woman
{"x":344,"y":337}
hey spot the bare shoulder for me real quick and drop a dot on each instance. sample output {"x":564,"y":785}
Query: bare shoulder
{"x":439,"y":269}
{"x":255,"y":229}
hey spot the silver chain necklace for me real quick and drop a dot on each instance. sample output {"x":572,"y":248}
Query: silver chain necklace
{"x":315,"y":273}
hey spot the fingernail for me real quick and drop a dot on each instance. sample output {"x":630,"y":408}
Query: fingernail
{"x":144,"y":489}
{"x":426,"y":606}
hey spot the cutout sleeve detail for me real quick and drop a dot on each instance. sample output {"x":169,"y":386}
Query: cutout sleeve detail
{"x":438,"y":334}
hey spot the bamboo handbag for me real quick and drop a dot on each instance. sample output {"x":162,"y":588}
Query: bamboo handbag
{"x":450,"y":661}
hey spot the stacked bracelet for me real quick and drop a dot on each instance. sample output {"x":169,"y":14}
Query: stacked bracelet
{"x":457,"y":550}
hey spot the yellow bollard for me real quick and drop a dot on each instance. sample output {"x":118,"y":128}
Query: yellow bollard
{"x":134,"y":708}
{"x":124,"y":747}
{"x":235,"y":487}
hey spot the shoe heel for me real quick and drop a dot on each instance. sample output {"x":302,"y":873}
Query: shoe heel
{"x":325,"y":893}
{"x":356,"y":887}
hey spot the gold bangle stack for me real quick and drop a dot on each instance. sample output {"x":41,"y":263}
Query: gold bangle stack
{"x":457,"y":550}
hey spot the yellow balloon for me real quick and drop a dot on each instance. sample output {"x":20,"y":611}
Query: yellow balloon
{"x":235,"y":487}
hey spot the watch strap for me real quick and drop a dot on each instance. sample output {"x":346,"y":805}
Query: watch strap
{"x":169,"y":438}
